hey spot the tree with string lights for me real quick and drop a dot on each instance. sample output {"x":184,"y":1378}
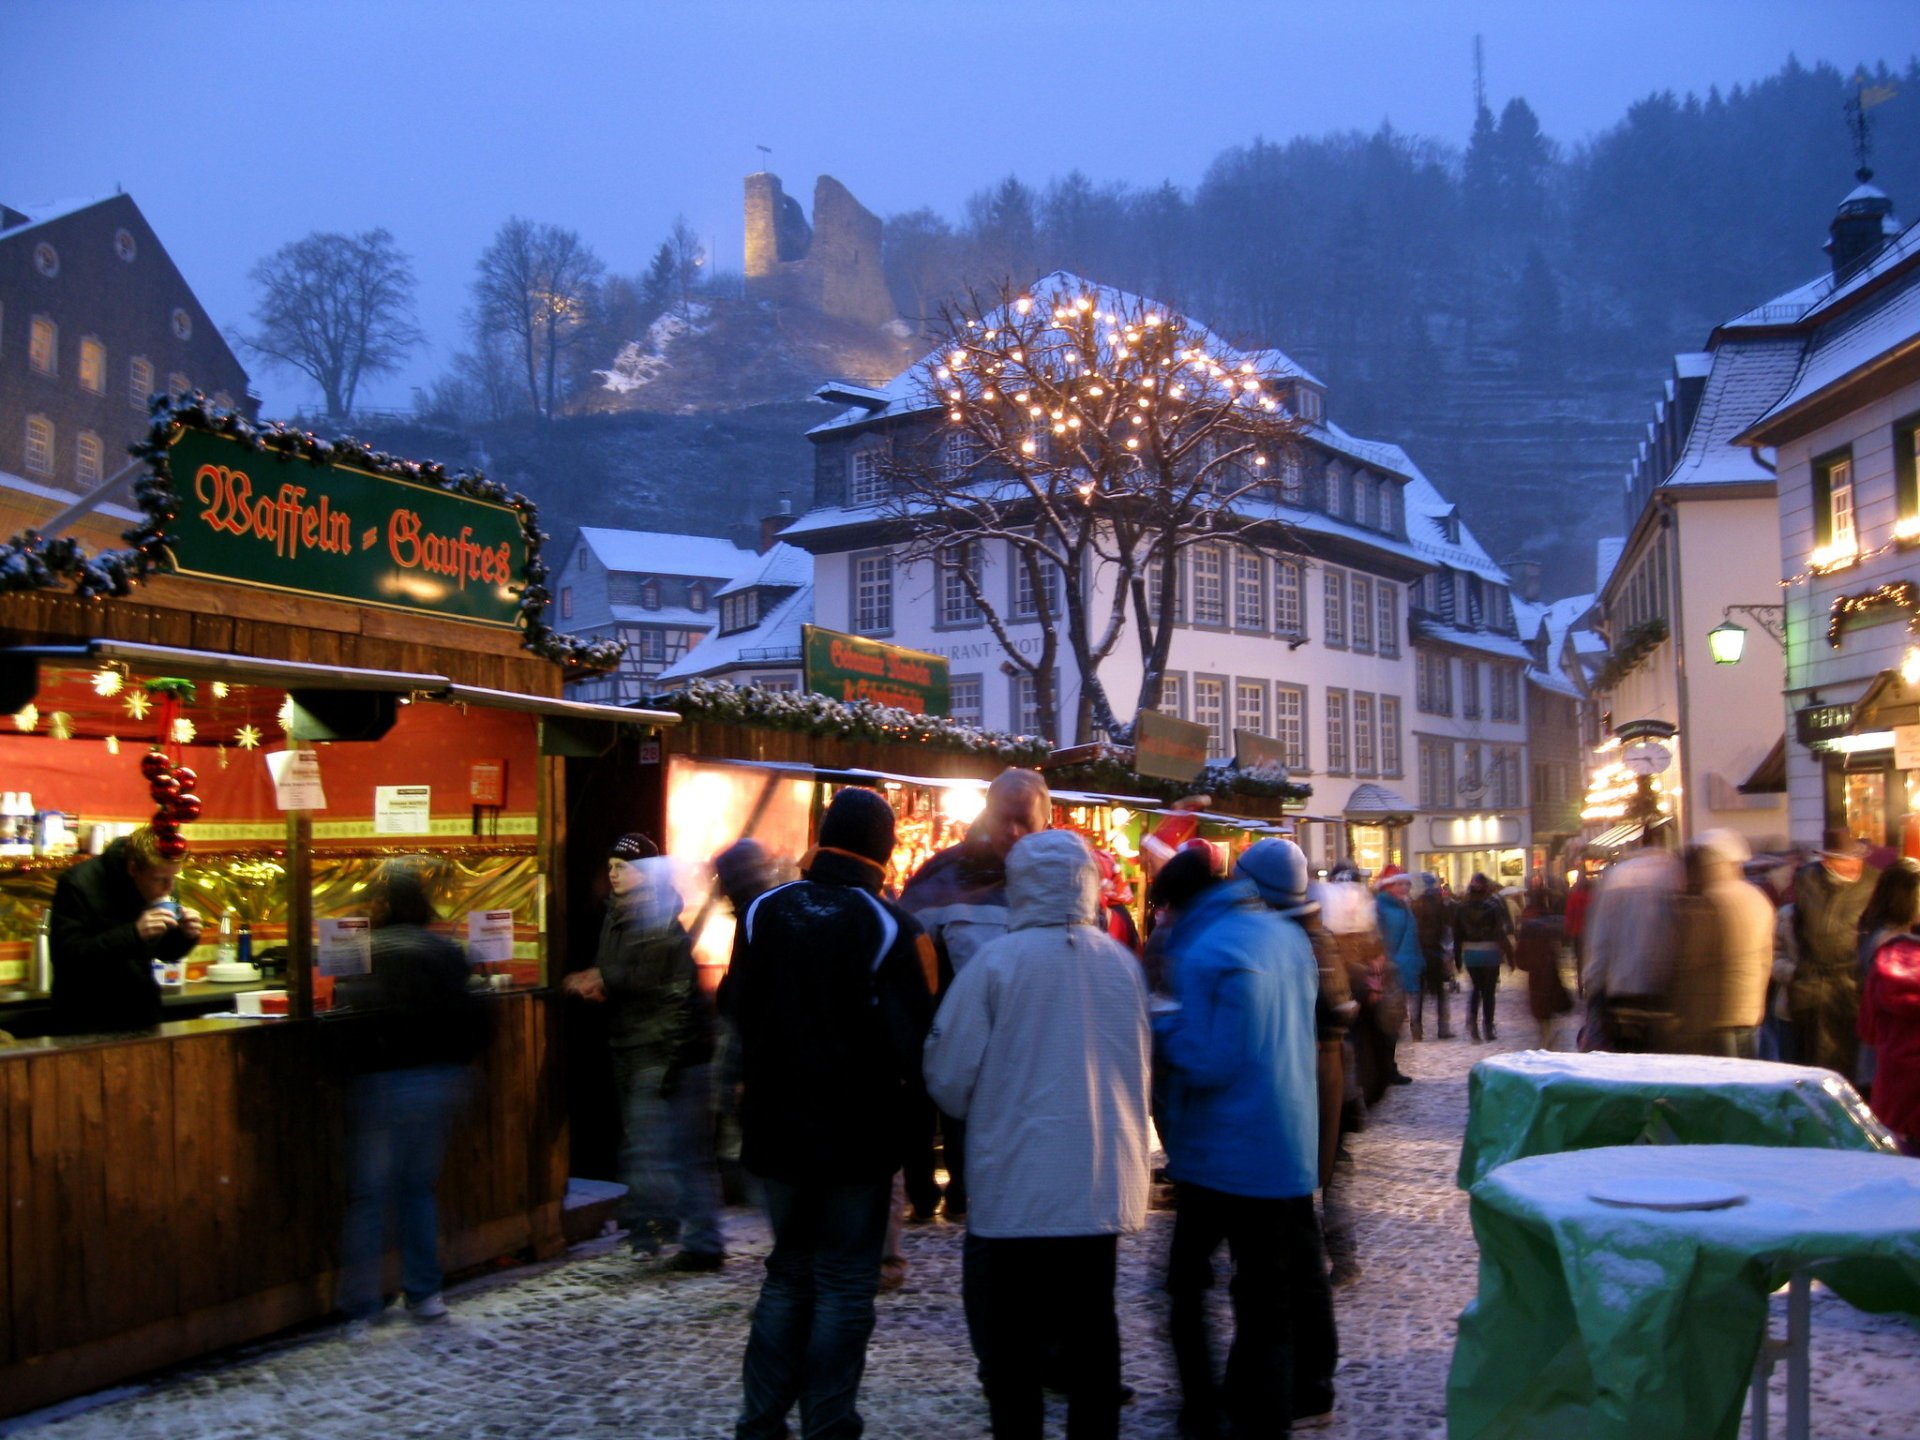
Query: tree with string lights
{"x":1099,"y":437}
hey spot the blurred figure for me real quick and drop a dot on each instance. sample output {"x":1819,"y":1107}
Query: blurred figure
{"x":1889,"y":913}
{"x":1433,"y":924}
{"x":114,"y":916}
{"x":1483,"y":938}
{"x":1830,"y":894}
{"x":1724,"y":957}
{"x":1631,"y":940}
{"x":831,"y":988}
{"x":1579,"y":898}
{"x":1406,"y":964}
{"x":1348,"y":913}
{"x":1537,"y":954}
{"x":1116,"y":902}
{"x":1242,"y":1147}
{"x":1890,"y":1002}
{"x":660,"y":1028}
{"x":1041,"y":1045}
{"x":416,"y":1028}
{"x":744,"y":871}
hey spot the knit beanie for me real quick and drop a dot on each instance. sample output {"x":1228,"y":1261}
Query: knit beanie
{"x":633,"y":846}
{"x":860,"y":821}
{"x":1278,"y":869}
{"x":1182,"y":880}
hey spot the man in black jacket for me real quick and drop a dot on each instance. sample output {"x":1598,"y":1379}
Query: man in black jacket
{"x":660,"y":1028}
{"x":831,"y":990}
{"x":113,"y":916}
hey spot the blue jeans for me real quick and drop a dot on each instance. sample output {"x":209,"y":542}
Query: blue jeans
{"x":810,"y":1327}
{"x":400,"y":1122}
{"x":666,"y":1155}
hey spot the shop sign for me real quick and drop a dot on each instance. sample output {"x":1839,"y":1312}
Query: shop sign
{"x":1171,"y":748}
{"x":1814,"y":723}
{"x":851,"y":667}
{"x":1906,"y":747}
{"x":1259,"y":755}
{"x":251,"y":518}
{"x":1474,"y":832}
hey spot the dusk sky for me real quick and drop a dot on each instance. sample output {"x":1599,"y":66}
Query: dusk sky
{"x":240,"y":126}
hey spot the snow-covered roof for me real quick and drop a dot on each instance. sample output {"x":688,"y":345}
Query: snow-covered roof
{"x":1692,"y":364}
{"x":1786,"y":308}
{"x":777,"y":635}
{"x":676,"y":616}
{"x":908,"y":392}
{"x":784,"y":564}
{"x":1748,"y":376}
{"x":1606,"y":555}
{"x":1488,"y":642}
{"x":653,"y":552}
{"x":1427,"y":511}
{"x":1555,"y":682}
{"x":48,"y":211}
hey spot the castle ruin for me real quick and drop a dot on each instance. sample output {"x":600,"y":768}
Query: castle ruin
{"x":832,"y":266}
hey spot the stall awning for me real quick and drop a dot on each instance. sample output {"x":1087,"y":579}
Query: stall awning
{"x":1769,"y":777}
{"x":551,"y":708}
{"x":1377,"y":805}
{"x":247,"y":669}
{"x":1618,"y":837}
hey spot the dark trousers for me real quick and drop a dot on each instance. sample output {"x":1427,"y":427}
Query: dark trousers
{"x":808,"y":1342}
{"x":916,"y":1161}
{"x":1486,"y":988}
{"x":1045,"y":1308}
{"x":1284,"y":1343}
{"x":953,"y":1150}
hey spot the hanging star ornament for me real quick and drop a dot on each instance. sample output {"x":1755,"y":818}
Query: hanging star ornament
{"x":183,"y":731}
{"x":138,"y":704}
{"x":285,"y":714}
{"x":220,"y":690}
{"x":107,"y":683}
{"x":27,"y":718}
{"x":247,"y":738}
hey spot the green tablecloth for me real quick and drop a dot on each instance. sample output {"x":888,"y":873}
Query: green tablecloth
{"x":1595,"y":1322}
{"x":1541,"y":1102}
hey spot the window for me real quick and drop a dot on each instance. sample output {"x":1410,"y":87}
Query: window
{"x":1386,"y":637}
{"x":1024,"y":604}
{"x":124,"y":245}
{"x":1250,"y":706}
{"x":1389,"y":734}
{"x":1833,"y":527}
{"x":1436,"y":774}
{"x":1362,"y":734}
{"x":93,"y":366}
{"x":1156,"y":593}
{"x":697,"y":597}
{"x":182,"y":324}
{"x":957,"y":562}
{"x":566,"y":602}
{"x":740,"y":611}
{"x":1209,"y":709}
{"x":873,"y":594}
{"x":1505,"y":703}
{"x":39,"y":456}
{"x":1305,"y":402}
{"x":1287,"y":579}
{"x":1335,"y":582}
{"x":1292,"y":478}
{"x":1470,"y":689}
{"x":1503,"y":779}
{"x":1026,"y":702}
{"x":1336,"y":487}
{"x":1249,"y":592}
{"x":1434,"y":674}
{"x":1172,"y":696}
{"x":1390,"y":507}
{"x":1337,"y":731}
{"x":178,"y":384}
{"x":1906,"y":478}
{"x":867,"y":475}
{"x":1362,"y":613}
{"x":775,"y":684}
{"x":46,"y":259}
{"x":1362,"y":496}
{"x":1290,"y":723}
{"x":650,"y":595}
{"x":964,"y":692}
{"x":1473,"y":782}
{"x":1209,"y":586}
{"x":959,"y":453}
{"x":43,"y":346}
{"x":1500,"y":604}
{"x":89,"y":458}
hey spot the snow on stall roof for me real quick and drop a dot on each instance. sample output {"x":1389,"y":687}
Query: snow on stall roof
{"x":784,"y":564}
{"x":654,"y":552}
{"x":1747,"y":377}
{"x":66,"y":498}
{"x":778,"y":630}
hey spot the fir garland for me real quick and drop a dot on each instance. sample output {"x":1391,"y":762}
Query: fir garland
{"x":1111,"y":772}
{"x":31,"y":562}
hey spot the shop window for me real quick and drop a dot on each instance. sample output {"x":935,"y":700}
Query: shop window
{"x":89,"y":459}
{"x":1209,"y":594}
{"x":1362,"y":733}
{"x":1386,"y":637}
{"x":93,"y":366}
{"x":43,"y":345}
{"x":1288,"y":617}
{"x":957,"y":563}
{"x":1833,"y":529}
{"x":1249,"y":591}
{"x":1335,"y":595}
{"x":964,"y":694}
{"x":39,"y":452}
{"x":1389,"y":734}
{"x":1337,"y":731}
{"x":873,"y":594}
{"x":1362,"y":638}
{"x":1290,"y":723}
{"x":1250,"y":706}
{"x":1209,"y":709}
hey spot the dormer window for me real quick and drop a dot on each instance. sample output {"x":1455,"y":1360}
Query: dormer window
{"x":1336,"y":488}
{"x":650,"y":595}
{"x":1305,"y":402}
{"x":1450,"y":527}
{"x":739,"y":612}
{"x":867,"y":474}
{"x":697,"y":596}
{"x":959,"y":453}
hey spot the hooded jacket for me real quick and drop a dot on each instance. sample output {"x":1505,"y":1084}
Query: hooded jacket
{"x":960,"y":898}
{"x":1890,"y":1020}
{"x":654,"y":1002}
{"x":102,"y":969}
{"x":831,"y":991}
{"x":1042,"y":1046}
{"x":1400,"y":933}
{"x":1241,"y":1108}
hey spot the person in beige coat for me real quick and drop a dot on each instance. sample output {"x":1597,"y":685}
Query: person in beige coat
{"x":1042,"y":1047}
{"x":1726,"y":952}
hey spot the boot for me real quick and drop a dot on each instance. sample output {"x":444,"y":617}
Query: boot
{"x":1473,"y":1028}
{"x":1414,"y":1026}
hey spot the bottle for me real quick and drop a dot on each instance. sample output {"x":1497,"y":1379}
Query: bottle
{"x":40,"y":980}
{"x":243,"y":945}
{"x":228,"y":949}
{"x":9,"y":802}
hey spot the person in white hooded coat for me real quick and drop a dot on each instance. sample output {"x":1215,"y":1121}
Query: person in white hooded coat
{"x":1042,"y":1046}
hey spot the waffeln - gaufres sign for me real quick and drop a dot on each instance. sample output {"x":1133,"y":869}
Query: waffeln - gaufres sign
{"x":851,"y":667}
{"x":331,"y":530}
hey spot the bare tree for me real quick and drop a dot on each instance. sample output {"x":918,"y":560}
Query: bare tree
{"x":688,"y":255}
{"x":336,"y":308}
{"x":1099,"y":437}
{"x":537,"y":285}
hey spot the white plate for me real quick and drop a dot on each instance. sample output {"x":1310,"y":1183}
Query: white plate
{"x":224,"y":974}
{"x":1667,"y":1192}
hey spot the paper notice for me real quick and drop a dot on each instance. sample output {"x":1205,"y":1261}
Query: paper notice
{"x":345,"y":946}
{"x":402,"y":809}
{"x":490,"y":937}
{"x":296,"y":779}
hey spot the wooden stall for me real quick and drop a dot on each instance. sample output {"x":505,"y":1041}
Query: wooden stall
{"x":172,"y":1191}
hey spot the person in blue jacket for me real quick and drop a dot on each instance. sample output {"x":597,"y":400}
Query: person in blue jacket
{"x":1401,"y":933}
{"x":1236,"y":1043}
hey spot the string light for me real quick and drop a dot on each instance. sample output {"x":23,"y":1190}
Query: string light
{"x":1895,"y":595}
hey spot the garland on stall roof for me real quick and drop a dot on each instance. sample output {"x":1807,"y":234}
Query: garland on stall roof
{"x":1111,"y":771}
{"x":1895,"y":594}
{"x":29,"y":561}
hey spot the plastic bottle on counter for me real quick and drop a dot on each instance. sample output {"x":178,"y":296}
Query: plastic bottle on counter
{"x":227,"y":951}
{"x":243,"y":945}
{"x":9,"y":822}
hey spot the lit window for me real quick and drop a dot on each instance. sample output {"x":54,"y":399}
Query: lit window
{"x":1290,"y":723}
{"x":39,"y":454}
{"x":139,"y":382}
{"x":566,"y":602}
{"x":43,"y":346}
{"x":89,"y":459}
{"x":1249,"y":592}
{"x":1839,"y":540}
{"x":178,"y":386}
{"x":93,"y":366}
{"x":1209,"y":709}
{"x":1209,"y":590}
{"x":873,"y":594}
{"x":1286,"y":597}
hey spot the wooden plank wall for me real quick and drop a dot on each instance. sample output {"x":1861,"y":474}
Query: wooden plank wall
{"x":165,"y":1197}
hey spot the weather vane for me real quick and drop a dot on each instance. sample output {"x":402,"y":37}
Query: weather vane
{"x":1863,"y":99}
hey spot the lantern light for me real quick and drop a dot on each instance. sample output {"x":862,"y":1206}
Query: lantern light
{"x":1727,"y":642}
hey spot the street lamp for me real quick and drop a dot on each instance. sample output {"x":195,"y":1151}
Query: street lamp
{"x":1727,"y":642}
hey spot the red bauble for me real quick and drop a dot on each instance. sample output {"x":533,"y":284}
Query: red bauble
{"x":185,"y":807}
{"x":187,"y":777}
{"x":164,"y":790}
{"x":154,"y":764}
{"x":164,"y":828}
{"x":170,"y":847}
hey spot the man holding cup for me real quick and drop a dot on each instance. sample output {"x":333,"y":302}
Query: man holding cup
{"x":114,"y":916}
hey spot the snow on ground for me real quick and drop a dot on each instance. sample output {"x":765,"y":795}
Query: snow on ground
{"x":641,"y":361}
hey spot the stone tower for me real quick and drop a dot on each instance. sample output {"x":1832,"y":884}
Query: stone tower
{"x":831,"y":267}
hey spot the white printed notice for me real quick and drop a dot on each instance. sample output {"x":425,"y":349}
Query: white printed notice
{"x":490,"y":936}
{"x":296,"y":779}
{"x":345,"y":946}
{"x":402,"y":810}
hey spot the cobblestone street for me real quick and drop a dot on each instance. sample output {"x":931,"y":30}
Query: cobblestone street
{"x":594,"y":1345}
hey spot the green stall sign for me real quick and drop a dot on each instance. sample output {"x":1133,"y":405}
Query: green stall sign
{"x":850,"y":667}
{"x":251,"y":518}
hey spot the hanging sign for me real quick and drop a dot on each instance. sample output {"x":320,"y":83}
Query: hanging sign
{"x":1169,"y":747}
{"x":851,"y":667}
{"x":250,"y":517}
{"x":1259,"y":755}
